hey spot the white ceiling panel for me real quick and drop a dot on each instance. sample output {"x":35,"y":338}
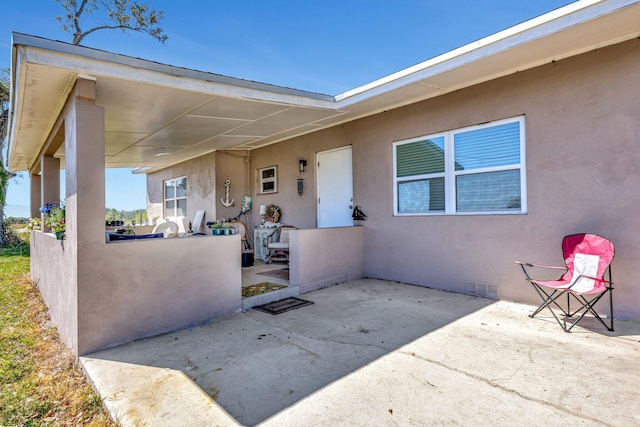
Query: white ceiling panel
{"x":146,"y":155}
{"x":283,"y":121}
{"x":143,"y":108}
{"x":225,"y":142}
{"x":115,"y":142}
{"x":188,"y":131}
{"x":233,"y":108}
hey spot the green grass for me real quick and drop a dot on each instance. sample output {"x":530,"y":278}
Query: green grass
{"x":39,"y":383}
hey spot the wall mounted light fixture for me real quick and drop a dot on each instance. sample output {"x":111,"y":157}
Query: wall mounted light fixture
{"x":303,"y":164}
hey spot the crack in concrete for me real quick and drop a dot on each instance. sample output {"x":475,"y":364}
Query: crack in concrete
{"x":509,"y":390}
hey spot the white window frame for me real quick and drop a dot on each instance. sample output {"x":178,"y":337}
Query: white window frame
{"x":450,"y":173}
{"x":262,"y":181}
{"x":175,"y":197}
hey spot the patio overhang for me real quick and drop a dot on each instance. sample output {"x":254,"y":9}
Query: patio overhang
{"x":159,"y":115}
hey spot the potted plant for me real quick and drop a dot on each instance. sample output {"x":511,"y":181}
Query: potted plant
{"x":227,"y":229}
{"x":216,"y":228}
{"x":54,"y":218}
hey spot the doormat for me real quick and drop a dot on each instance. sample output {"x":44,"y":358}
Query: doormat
{"x":280,"y":274}
{"x":260,"y":288}
{"x":283,"y":305}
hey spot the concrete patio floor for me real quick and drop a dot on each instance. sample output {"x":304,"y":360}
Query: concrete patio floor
{"x":373,"y":352}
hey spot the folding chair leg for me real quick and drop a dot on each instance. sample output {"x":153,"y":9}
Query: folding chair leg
{"x":547,"y":299}
{"x":588,"y":308}
{"x":547,"y":303}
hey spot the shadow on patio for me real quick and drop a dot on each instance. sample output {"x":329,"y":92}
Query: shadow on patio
{"x":372,"y":352}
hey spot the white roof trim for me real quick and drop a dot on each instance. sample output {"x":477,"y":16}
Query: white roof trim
{"x":541,"y":26}
{"x":47,"y":52}
{"x":544,"y":25}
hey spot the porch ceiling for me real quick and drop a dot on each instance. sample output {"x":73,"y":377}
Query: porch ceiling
{"x":157,"y":115}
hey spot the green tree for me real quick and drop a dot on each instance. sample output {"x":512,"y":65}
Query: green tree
{"x":121,"y":15}
{"x":5,"y":175}
{"x":111,"y":214}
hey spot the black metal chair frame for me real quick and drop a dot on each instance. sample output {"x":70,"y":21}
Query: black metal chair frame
{"x":586,"y":305}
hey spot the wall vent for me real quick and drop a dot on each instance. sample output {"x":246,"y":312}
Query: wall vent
{"x":483,"y":290}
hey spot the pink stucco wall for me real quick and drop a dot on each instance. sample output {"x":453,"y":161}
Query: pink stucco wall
{"x":582,"y":137}
{"x":53,"y":269}
{"x":147,"y":287}
{"x":235,"y":167}
{"x":325,"y":257}
{"x":206,"y":176}
{"x":129,"y":290}
{"x":201,"y":187}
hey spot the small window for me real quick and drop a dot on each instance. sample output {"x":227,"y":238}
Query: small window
{"x":475,"y":170}
{"x":175,"y":197}
{"x":268,"y":179}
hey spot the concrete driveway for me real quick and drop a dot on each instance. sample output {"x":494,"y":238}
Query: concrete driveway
{"x":373,"y":352}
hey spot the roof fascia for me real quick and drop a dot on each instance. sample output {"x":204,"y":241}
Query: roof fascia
{"x":557,"y":20}
{"x":13,"y":85}
{"x":88,"y":60}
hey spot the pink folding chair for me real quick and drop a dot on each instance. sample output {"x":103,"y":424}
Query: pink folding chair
{"x":588,"y":258}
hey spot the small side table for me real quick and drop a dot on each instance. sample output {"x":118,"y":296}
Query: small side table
{"x":260,"y":235}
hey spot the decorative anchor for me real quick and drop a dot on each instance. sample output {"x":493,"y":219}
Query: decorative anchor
{"x":225,"y":202}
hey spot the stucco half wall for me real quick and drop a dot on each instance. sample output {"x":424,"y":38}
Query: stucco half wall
{"x":133,"y":289}
{"x":325,"y":257}
{"x":53,"y":269}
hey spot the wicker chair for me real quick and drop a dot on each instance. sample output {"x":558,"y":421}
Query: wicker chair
{"x":241,"y":229}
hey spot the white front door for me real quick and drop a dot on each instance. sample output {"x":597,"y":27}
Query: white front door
{"x":335,"y":188}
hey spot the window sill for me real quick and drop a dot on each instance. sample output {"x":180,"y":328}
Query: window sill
{"x":397,"y":214}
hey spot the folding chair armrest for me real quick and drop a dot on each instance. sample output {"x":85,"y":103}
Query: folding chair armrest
{"x":592,"y":278}
{"x":540,"y":265}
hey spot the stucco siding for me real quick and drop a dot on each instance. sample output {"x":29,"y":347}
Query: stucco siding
{"x":581,"y":167}
{"x":53,"y":269}
{"x":235,"y":167}
{"x":201,"y":187}
{"x":325,"y":257}
{"x":582,"y":137}
{"x":296,"y":210}
{"x":135,"y":289}
{"x":128,"y":290}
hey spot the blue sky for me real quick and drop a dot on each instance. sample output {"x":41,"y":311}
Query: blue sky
{"x":327,"y":46}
